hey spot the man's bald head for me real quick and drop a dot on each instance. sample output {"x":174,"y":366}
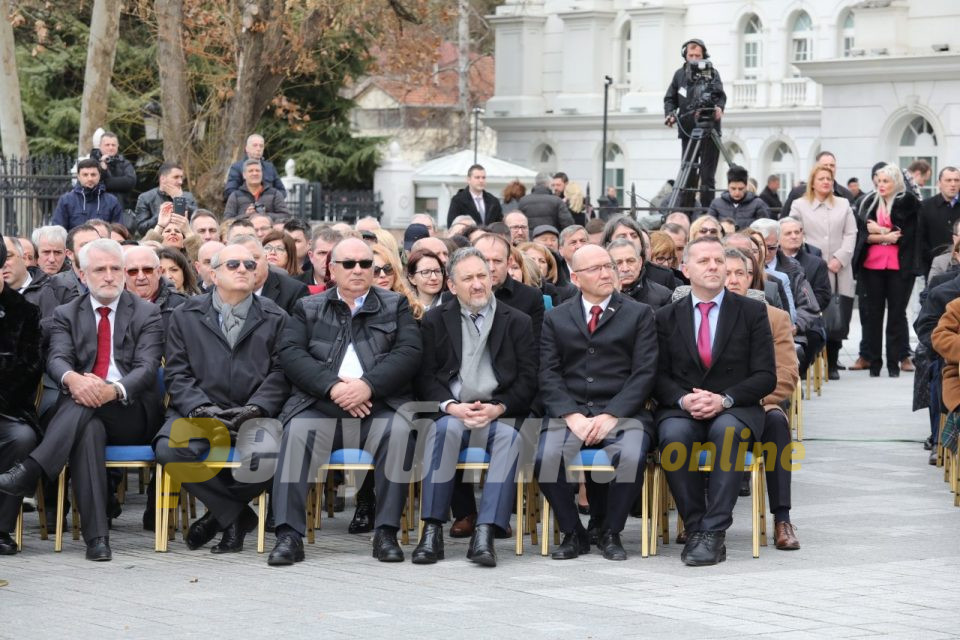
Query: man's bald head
{"x":585,"y":253}
{"x":351,"y":246}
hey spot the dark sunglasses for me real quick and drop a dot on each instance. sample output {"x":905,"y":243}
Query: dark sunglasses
{"x":385,"y":269}
{"x":233,"y":265}
{"x":350,"y":264}
{"x":147,"y":271}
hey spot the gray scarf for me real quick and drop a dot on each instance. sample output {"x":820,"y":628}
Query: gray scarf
{"x":232,"y":317}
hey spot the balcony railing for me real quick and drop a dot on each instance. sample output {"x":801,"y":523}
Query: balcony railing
{"x":794,"y":92}
{"x":745,"y":93}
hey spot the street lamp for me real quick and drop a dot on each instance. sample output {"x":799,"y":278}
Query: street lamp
{"x":476,"y":131}
{"x":607,"y":81}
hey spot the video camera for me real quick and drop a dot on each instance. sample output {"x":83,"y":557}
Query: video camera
{"x":703,"y":87}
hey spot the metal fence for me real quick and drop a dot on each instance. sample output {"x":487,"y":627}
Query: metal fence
{"x":311,"y":201}
{"x":29,"y":190}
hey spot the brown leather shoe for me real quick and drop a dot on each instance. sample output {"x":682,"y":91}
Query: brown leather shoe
{"x":786,"y":537}
{"x":682,"y":537}
{"x":860,"y":365}
{"x":907,"y":365}
{"x":463,"y":528}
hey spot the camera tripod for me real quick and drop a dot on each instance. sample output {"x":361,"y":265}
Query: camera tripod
{"x":687,"y":163}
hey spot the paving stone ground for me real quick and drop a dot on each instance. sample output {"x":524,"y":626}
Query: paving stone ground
{"x":876,"y":522}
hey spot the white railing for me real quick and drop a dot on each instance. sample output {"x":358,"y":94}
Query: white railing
{"x":617,"y":94}
{"x":745,"y":93}
{"x":794,"y":92}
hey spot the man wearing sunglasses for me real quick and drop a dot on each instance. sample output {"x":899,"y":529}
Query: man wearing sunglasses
{"x":351,"y":354}
{"x":273,"y":283}
{"x":142,"y":268}
{"x":222,"y":364}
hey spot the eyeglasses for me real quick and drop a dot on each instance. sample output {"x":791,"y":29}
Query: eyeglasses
{"x":427,"y":273}
{"x":385,"y":270}
{"x":351,"y":264}
{"x":272,"y":248}
{"x":233,"y":265}
{"x":772,"y":248}
{"x":518,"y":227}
{"x":662,"y":260}
{"x":709,"y":231}
{"x":594,"y":270}
{"x":147,"y":271}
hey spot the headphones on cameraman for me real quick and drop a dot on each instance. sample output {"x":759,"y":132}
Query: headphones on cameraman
{"x":696,"y":41}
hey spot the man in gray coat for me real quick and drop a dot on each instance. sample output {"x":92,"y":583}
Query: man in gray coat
{"x":222,"y":364}
{"x":542,"y":207}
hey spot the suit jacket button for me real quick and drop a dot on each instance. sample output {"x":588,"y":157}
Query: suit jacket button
{"x":590,"y":403}
{"x":591,"y":350}
{"x":589,"y":379}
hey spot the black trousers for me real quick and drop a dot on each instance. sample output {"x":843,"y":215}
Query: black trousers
{"x":686,"y":481}
{"x":307,"y":442}
{"x":626,"y":447}
{"x":887,"y":291}
{"x":17,"y":440}
{"x":78,"y":435}
{"x":810,"y":350}
{"x":707,"y":156}
{"x":776,"y":432}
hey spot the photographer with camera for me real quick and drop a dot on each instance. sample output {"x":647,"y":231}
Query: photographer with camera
{"x":254,"y":195}
{"x":695,"y":101}
{"x":116,"y":172}
{"x":170,"y":190}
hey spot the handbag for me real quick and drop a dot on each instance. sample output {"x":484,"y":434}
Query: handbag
{"x":835,"y":317}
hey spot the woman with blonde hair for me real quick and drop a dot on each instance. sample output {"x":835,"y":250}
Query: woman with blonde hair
{"x":386,"y":275}
{"x":573,"y":195}
{"x":386,"y":239}
{"x":542,"y":258}
{"x":705,"y":225}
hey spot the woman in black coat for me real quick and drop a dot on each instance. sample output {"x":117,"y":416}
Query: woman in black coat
{"x":889,"y":266}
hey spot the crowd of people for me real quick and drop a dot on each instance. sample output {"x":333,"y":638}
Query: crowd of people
{"x":517,"y":330}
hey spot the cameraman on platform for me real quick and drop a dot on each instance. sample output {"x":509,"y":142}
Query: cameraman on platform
{"x":116,"y":172}
{"x":677,"y":104}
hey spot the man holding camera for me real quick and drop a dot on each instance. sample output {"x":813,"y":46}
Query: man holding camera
{"x":117,"y":173}
{"x":679,"y":106}
{"x":170,"y":190}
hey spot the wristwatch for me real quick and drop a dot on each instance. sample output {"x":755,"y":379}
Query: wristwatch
{"x":727,"y":402}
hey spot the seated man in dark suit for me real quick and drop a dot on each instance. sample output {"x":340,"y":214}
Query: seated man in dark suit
{"x":20,"y":366}
{"x":271,"y":283}
{"x":222,"y":363}
{"x":598,"y":361}
{"x":478,"y":366}
{"x":351,"y":354}
{"x":105,"y":349}
{"x":716,"y":365}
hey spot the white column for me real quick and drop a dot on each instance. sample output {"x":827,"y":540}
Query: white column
{"x":587,"y":58}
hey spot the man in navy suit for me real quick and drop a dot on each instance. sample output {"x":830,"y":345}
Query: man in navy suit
{"x":716,"y":364}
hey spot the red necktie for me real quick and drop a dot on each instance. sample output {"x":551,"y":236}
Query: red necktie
{"x":703,"y":335}
{"x":104,"y":335}
{"x":595,"y":312}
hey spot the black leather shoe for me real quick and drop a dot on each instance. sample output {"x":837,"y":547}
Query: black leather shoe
{"x":18,"y":481}
{"x":8,"y":546}
{"x":745,"y":485}
{"x":232,"y":539}
{"x":611,"y":547}
{"x":928,"y":443}
{"x":149,"y":519}
{"x":362,"y":518}
{"x":289,"y":549}
{"x":593,"y":531}
{"x":481,"y":549}
{"x":833,"y":374}
{"x":202,"y":531}
{"x":98,"y":550}
{"x":572,"y":545}
{"x":691,"y":540}
{"x":385,"y":547}
{"x":709,"y":550}
{"x":893,"y":372}
{"x":430,"y":548}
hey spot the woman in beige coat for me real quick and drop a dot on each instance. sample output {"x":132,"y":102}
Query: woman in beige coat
{"x":829,"y":224}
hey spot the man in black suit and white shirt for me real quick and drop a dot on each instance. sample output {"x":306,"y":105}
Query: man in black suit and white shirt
{"x":478,"y":366}
{"x":716,"y":364}
{"x":598,"y":358}
{"x":475,"y":201}
{"x":105,"y":350}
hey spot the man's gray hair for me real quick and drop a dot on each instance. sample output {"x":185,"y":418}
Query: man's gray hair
{"x":569,"y":231}
{"x":542,"y":179}
{"x":252,"y":161}
{"x":50,"y":233}
{"x":246,"y":238}
{"x":105,"y":245}
{"x":16,"y":244}
{"x":325,"y":233}
{"x":732,"y":253}
{"x":620,"y":243}
{"x":462,"y":254}
{"x":789,"y":220}
{"x":767,"y":227}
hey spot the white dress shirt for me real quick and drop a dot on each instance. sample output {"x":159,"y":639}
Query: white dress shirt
{"x":351,"y":367}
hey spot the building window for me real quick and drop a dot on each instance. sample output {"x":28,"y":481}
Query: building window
{"x":847,"y":41}
{"x":784,"y":166}
{"x":544,"y":159}
{"x":919,"y":142}
{"x":752,"y":41}
{"x":801,"y":41}
{"x":627,"y":55}
{"x":616,"y":165}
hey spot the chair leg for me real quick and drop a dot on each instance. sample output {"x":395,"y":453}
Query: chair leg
{"x":755,"y":499}
{"x":531,"y":510}
{"x":42,"y":511}
{"x":656,"y":512}
{"x":157,"y":508}
{"x":76,"y":513}
{"x":318,"y":510}
{"x":18,"y":529}
{"x":261,"y":521}
{"x":61,"y":497}
{"x":545,"y":526}
{"x":645,"y":514}
{"x":330,"y":497}
{"x":518,"y":534}
{"x":193,"y":507}
{"x":184,"y":513}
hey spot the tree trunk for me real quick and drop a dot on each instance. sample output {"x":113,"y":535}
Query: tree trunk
{"x":175,"y":95}
{"x":13,"y":134}
{"x":101,"y":51}
{"x":463,"y":71}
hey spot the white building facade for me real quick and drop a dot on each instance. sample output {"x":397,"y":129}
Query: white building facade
{"x":868,"y":80}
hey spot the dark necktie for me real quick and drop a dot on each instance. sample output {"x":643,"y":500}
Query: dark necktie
{"x":476,"y":317}
{"x":703,"y":335}
{"x":104,"y":335}
{"x":595,"y":312}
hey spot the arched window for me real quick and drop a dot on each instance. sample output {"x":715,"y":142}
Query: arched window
{"x":784,"y":166}
{"x":626,"y":55}
{"x":752,"y":49}
{"x":616,"y":167}
{"x":847,"y":36}
{"x":801,"y":38}
{"x":919,"y":142}
{"x":544,"y":159}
